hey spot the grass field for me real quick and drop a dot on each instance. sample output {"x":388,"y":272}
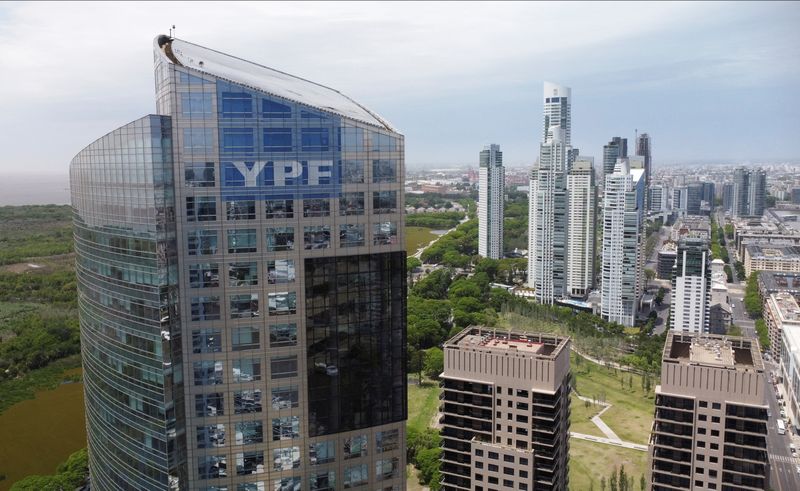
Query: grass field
{"x":423,"y":402}
{"x":589,"y":462}
{"x":416,"y":237}
{"x":580,"y":419}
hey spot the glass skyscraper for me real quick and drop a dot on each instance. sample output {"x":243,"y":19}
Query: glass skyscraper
{"x":241,"y":272}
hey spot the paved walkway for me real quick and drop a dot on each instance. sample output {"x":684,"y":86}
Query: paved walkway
{"x":608,"y":441}
{"x":607,"y":431}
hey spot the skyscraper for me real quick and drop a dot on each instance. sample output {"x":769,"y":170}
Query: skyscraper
{"x":547,"y":250}
{"x":491,"y":192}
{"x":557,"y":111}
{"x":621,"y":269}
{"x":505,"y":406}
{"x":644,"y":149}
{"x":691,"y":287}
{"x":615,"y":149}
{"x":659,"y":195}
{"x":582,"y":196}
{"x":694,"y":196}
{"x":749,"y":192}
{"x":227,"y":251}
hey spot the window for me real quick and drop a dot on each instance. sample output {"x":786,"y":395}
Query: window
{"x":249,"y":463}
{"x":237,"y":105}
{"x":242,"y":274}
{"x":356,"y":475}
{"x":242,"y":240}
{"x":280,"y":239}
{"x":285,"y":397}
{"x":211,"y":466}
{"x":204,"y":275}
{"x":198,"y":140}
{"x":716,"y":405}
{"x":279,"y":208}
{"x":285,"y":428}
{"x":201,"y":209}
{"x":351,"y":139}
{"x":187,"y":79}
{"x":508,"y":458}
{"x":280,"y":271}
{"x":386,"y":469}
{"x":316,"y":207}
{"x":283,"y":367}
{"x":238,"y":140}
{"x":207,"y":372}
{"x":351,"y":204}
{"x":386,"y":441}
{"x":315,"y":139}
{"x":249,"y":432}
{"x":282,"y":303}
{"x":351,"y":235}
{"x":202,"y":242}
{"x":286,"y":459}
{"x":703,"y":404}
{"x":244,"y":306}
{"x":286,"y":484}
{"x":352,"y":171}
{"x":322,"y":452}
{"x":199,"y":175}
{"x":715,"y":419}
{"x":277,"y":139}
{"x":494,"y":468}
{"x":212,"y":404}
{"x":384,"y":171}
{"x":355,"y":446}
{"x":196,"y":105}
{"x":245,"y":338}
{"x":247,"y":401}
{"x":317,"y":237}
{"x":322,"y":481}
{"x":206,"y":341}
{"x":246,"y":370}
{"x":383,"y":143}
{"x":385,"y":233}
{"x":211,"y":436}
{"x":281,"y":335}
{"x":205,"y":308}
{"x":275,"y":110}
{"x":240,"y":209}
{"x":384,"y":202}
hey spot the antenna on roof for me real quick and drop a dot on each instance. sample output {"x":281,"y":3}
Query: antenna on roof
{"x":171,"y":31}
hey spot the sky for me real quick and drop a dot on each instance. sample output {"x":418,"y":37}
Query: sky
{"x":708,"y":81}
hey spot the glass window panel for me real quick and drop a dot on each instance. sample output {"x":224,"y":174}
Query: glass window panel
{"x":355,"y":446}
{"x":204,"y":275}
{"x":279,"y":208}
{"x":212,"y":404}
{"x":384,"y":233}
{"x":248,"y":432}
{"x":205,"y":308}
{"x":206,"y":340}
{"x":282,"y":303}
{"x":315,"y":139}
{"x":352,"y":171}
{"x":282,"y":335}
{"x":286,"y":459}
{"x":384,"y":171}
{"x":383,"y":143}
{"x":196,"y":104}
{"x":207,"y":372}
{"x":351,"y":235}
{"x":280,"y":239}
{"x":245,"y":338}
{"x":287,"y":484}
{"x":384,"y":202}
{"x":238,"y":140}
{"x":247,"y":401}
{"x":280,"y":271}
{"x":285,"y":397}
{"x":275,"y":110}
{"x":351,"y":204}
{"x":185,"y":78}
{"x":201,"y":209}
{"x":250,"y":463}
{"x":277,"y":139}
{"x":198,"y":140}
{"x":237,"y":105}
{"x":211,"y":466}
{"x":356,"y":475}
{"x":211,"y":436}
{"x":286,"y":428}
{"x":202,"y":242}
{"x":322,"y":452}
{"x":252,"y":486}
{"x":241,"y":241}
{"x":316,"y":207}
{"x":242,"y":274}
{"x":386,"y":469}
{"x":317,"y":237}
{"x":244,"y":306}
{"x":386,"y":441}
{"x":322,"y":481}
{"x":351,"y":139}
{"x":240,"y":209}
{"x":246,"y":370}
{"x":200,"y":175}
{"x":283,"y":366}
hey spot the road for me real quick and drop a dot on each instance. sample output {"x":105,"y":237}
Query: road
{"x":783,"y":466}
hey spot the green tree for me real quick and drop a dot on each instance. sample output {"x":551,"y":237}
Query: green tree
{"x":612,"y":482}
{"x":434,"y":362}
{"x":623,"y":478}
{"x":753,"y":302}
{"x":643,"y":483}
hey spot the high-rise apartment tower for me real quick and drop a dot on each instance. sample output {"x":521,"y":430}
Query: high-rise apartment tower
{"x":582,"y":196}
{"x":557,"y":103}
{"x":615,"y":149}
{"x":491,"y":192}
{"x":241,"y":268}
{"x":691,"y":287}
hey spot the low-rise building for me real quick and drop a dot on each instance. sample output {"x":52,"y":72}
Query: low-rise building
{"x":666,"y":260}
{"x":769,"y":257}
{"x":781,"y":312}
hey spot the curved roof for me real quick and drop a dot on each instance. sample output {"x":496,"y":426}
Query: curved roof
{"x":258,"y":77}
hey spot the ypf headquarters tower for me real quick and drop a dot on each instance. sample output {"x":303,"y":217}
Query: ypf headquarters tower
{"x":241,"y":271}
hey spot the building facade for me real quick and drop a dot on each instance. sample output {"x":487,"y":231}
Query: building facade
{"x":749,"y":192}
{"x":691,"y":287}
{"x":557,"y":111}
{"x":491,"y":193}
{"x":644,"y":148}
{"x":710,"y":427}
{"x":790,"y":370}
{"x":767,"y":257}
{"x":781,"y":312}
{"x":582,"y":196}
{"x":241,"y":269}
{"x":659,"y":198}
{"x":505,"y":406}
{"x":616,"y":148}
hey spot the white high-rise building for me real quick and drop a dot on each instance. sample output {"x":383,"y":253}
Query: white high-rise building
{"x":691,"y":287}
{"x":491,"y":190}
{"x":582,"y":195}
{"x":557,"y":110}
{"x":659,"y":195}
{"x":622,"y":274}
{"x":547,"y":226}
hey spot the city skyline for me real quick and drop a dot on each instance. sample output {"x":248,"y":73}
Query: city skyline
{"x":635,"y":77}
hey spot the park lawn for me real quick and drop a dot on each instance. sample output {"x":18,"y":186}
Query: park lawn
{"x":423,"y":404}
{"x":580,"y":421}
{"x":412,"y":479}
{"x":590,"y":461}
{"x":631,"y":416}
{"x":417,"y":237}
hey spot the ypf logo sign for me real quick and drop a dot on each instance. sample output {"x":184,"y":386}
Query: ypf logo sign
{"x":285,"y":177}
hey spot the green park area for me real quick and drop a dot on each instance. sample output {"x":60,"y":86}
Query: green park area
{"x":590,"y":462}
{"x":417,"y":237}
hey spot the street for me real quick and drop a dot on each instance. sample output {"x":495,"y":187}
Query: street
{"x":784,"y":474}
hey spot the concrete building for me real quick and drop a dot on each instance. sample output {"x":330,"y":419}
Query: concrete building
{"x":749,"y":192}
{"x":666,"y":260}
{"x":505,"y":406}
{"x":582,"y":194}
{"x":615,"y":149}
{"x":770,"y":282}
{"x":781,"y":311}
{"x":622,"y":266}
{"x":491,"y":202}
{"x":680,"y":195}
{"x":659,"y":198}
{"x":710,"y":427}
{"x":694,"y":198}
{"x":720,"y":312}
{"x":770,"y":257}
{"x":691,"y":287}
{"x":790,"y":369}
{"x":727,"y":196}
{"x":227,"y":250}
